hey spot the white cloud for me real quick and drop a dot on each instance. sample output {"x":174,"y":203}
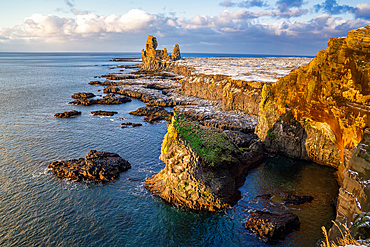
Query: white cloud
{"x":232,"y":28}
{"x":362,"y":10}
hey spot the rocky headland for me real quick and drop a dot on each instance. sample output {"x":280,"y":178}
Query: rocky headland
{"x":231,"y":112}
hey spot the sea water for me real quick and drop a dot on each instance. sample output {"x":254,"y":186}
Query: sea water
{"x":39,"y":209}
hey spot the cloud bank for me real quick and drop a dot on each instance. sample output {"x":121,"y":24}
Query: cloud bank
{"x":230,"y":31}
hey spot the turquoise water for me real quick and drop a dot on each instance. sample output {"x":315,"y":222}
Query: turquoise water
{"x":39,"y":209}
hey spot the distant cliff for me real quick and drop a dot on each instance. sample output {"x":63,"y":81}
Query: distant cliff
{"x":157,"y":60}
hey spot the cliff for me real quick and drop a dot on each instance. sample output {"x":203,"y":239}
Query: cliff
{"x":353,"y":207}
{"x":203,"y":169}
{"x":235,"y":82}
{"x":157,"y":60}
{"x":319,"y":110}
{"x":234,"y":94}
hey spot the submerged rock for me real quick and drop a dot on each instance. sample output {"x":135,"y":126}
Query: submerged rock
{"x":204,"y":168}
{"x":97,"y":166}
{"x":67,"y":114}
{"x":271,"y":227}
{"x":297,"y":200}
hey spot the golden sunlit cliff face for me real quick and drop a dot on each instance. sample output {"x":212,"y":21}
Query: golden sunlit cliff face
{"x":328,"y":99}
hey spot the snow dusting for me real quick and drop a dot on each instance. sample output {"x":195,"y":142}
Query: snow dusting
{"x":268,"y":69}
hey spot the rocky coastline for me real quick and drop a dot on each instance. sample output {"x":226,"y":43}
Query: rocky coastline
{"x":225,"y":123}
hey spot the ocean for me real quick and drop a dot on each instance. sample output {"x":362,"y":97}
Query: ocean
{"x":39,"y":209}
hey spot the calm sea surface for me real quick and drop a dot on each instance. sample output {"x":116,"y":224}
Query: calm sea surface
{"x":39,"y":209}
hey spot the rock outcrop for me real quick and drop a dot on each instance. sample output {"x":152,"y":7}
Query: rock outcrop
{"x":319,"y":110}
{"x":98,"y":166}
{"x":153,"y":113}
{"x":67,"y":114}
{"x":271,"y":227}
{"x":157,"y":60}
{"x":203,"y":169}
{"x":83,"y":95}
{"x":109,"y":99}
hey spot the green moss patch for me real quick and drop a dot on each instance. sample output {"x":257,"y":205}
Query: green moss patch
{"x":212,"y":145}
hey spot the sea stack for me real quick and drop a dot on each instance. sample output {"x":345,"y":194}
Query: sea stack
{"x":157,"y":60}
{"x":204,"y":168}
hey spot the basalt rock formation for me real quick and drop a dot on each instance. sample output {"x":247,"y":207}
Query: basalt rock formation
{"x":203,"y":169}
{"x":157,"y":60}
{"x":98,"y":166}
{"x":319,"y":112}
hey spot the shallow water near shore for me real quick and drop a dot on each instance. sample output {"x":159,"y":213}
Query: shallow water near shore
{"x":39,"y":209}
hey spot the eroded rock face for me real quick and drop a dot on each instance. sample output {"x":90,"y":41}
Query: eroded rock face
{"x":328,"y":98}
{"x":203,"y":167}
{"x":354,"y":195}
{"x":271,"y":227}
{"x":98,"y":166}
{"x":157,"y":60}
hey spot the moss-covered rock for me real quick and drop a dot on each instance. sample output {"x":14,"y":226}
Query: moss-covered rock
{"x":203,"y":169}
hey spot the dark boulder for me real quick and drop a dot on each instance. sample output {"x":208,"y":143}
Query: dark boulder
{"x":271,"y":227}
{"x":104,"y":113}
{"x":97,"y":166}
{"x":67,"y":114}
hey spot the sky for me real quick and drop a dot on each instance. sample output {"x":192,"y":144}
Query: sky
{"x":283,"y":27}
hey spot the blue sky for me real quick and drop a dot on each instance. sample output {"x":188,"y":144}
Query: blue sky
{"x":283,"y":27}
